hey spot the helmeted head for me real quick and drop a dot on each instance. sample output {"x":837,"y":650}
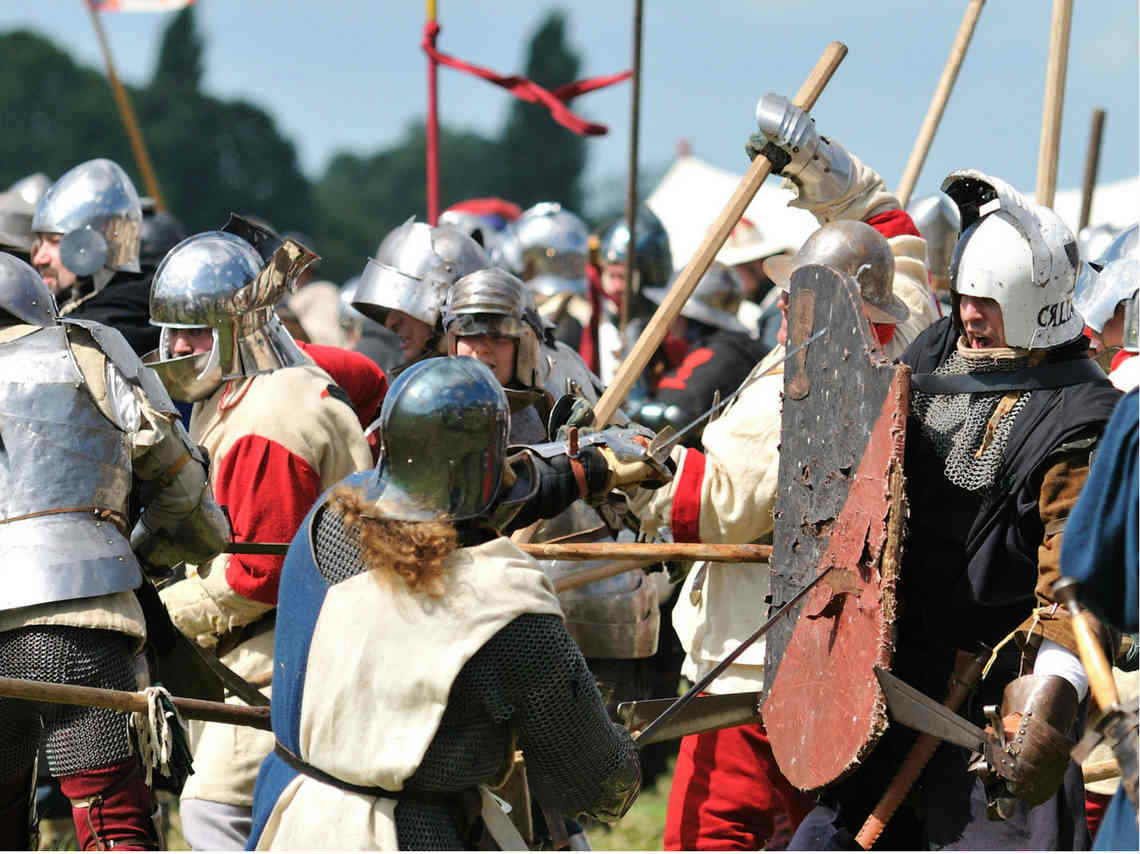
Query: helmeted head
{"x":491,"y":315}
{"x":24,"y":298}
{"x":405,"y":285}
{"x":31,"y":188}
{"x":856,"y":250}
{"x":213,"y":296}
{"x":443,"y":442}
{"x":714,"y":301}
{"x":1108,"y":291}
{"x":161,"y":232}
{"x":1017,"y":254}
{"x":652,"y":257}
{"x":484,"y":220}
{"x":88,"y":223}
{"x":547,"y":247}
{"x":938,"y":221}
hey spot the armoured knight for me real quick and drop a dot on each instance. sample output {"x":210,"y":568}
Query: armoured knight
{"x":279,"y":432}
{"x":1005,"y":410}
{"x":1108,"y":298}
{"x":80,"y":418}
{"x":405,"y":285}
{"x":461,"y":648}
{"x":937,"y":219}
{"x":88,"y":228}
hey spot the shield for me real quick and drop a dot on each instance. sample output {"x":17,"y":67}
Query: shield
{"x":841,"y":505}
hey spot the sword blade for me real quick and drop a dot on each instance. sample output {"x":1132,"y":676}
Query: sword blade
{"x":911,"y":708}
{"x":713,"y":711}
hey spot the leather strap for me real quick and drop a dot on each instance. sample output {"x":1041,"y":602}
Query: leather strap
{"x":113,"y":516}
{"x":1047,"y":376}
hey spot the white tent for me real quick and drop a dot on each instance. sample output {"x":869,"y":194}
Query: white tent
{"x":693,"y":192}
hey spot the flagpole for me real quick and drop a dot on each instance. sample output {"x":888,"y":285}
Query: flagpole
{"x":128,"y":115}
{"x":432,"y":130}
{"x":631,"y":187}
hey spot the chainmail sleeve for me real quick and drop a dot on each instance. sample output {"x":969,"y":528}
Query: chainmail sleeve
{"x":578,"y":761}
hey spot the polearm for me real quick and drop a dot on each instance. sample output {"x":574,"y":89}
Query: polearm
{"x":132,"y":701}
{"x":631,"y":186}
{"x":126,"y":111}
{"x":432,"y":129}
{"x":654,"y":332}
{"x":938,"y":102}
{"x":1050,"y":146}
{"x":1092,"y":165}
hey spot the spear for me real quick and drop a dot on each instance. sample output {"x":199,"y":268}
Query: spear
{"x":1054,"y":102}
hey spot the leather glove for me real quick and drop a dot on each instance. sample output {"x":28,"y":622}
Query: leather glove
{"x":1033,"y":753}
{"x":820,"y":168}
{"x":640,"y":472}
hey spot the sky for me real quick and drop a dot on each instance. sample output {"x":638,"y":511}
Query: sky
{"x":349,"y":74}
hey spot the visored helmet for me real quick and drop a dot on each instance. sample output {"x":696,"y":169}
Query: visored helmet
{"x":220,"y":281}
{"x":938,"y":221}
{"x":23,"y":294}
{"x":856,"y":250}
{"x":493,"y":302}
{"x":95,"y":207}
{"x":547,"y":247}
{"x":1019,"y":254}
{"x":715,"y":300}
{"x":413,"y":268}
{"x":443,"y":440}
{"x":652,"y":258}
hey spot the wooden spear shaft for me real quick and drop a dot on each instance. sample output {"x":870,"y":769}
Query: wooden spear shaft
{"x":130,"y":701}
{"x":938,"y":102}
{"x":686,"y":283}
{"x":631,"y":187}
{"x":138,"y":145}
{"x":1092,"y":164}
{"x":1054,"y":102}
{"x":650,"y":552}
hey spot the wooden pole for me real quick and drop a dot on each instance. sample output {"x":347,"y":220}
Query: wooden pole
{"x":715,"y":552}
{"x":631,"y":184}
{"x":717,"y":234}
{"x":938,"y":102}
{"x":588,"y":576}
{"x":126,"y":111}
{"x":130,"y":701}
{"x":432,"y":130}
{"x":1092,"y":165}
{"x":1054,"y":102}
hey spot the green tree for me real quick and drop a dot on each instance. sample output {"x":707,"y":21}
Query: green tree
{"x":180,"y":55}
{"x":542,"y":160}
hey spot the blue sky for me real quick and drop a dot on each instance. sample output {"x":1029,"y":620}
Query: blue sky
{"x":350,"y":74}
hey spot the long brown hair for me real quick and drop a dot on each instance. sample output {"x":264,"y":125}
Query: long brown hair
{"x":413,"y":551}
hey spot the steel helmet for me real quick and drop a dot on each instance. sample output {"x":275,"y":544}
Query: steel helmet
{"x":220,"y":281}
{"x":1019,"y":254}
{"x":413,"y":268}
{"x":95,"y":207}
{"x":23,"y":294}
{"x":547,"y":247}
{"x":493,"y":302}
{"x":443,"y":442}
{"x":652,"y":258}
{"x":938,"y":221}
{"x":713,"y":302}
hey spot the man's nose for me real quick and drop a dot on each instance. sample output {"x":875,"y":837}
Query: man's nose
{"x":41,"y":256}
{"x":391,"y":321}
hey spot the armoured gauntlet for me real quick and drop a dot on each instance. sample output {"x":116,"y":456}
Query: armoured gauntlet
{"x":821,"y":169}
{"x":1033,"y":751}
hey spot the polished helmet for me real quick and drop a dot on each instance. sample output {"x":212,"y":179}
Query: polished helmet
{"x":16,"y":222}
{"x":413,"y":268}
{"x":23,"y":294}
{"x":218,"y":280}
{"x":1126,"y":244}
{"x":161,"y":232}
{"x":856,"y":250}
{"x":95,"y":207}
{"x":31,"y":188}
{"x":547,"y":247}
{"x":443,"y":442}
{"x":495,"y":303}
{"x":1117,"y":283}
{"x":1019,"y":254}
{"x":937,"y":219}
{"x":652,"y":258}
{"x":714,"y":301}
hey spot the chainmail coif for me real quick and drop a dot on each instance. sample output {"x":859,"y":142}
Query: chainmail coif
{"x":528,"y":685}
{"x":956,"y":424}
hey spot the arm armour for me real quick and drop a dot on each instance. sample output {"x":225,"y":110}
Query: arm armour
{"x":558,"y":486}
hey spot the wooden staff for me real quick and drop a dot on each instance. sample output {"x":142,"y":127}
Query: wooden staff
{"x":1092,"y":165}
{"x":938,"y":102}
{"x":650,"y":552}
{"x":631,"y":187}
{"x":432,"y":131}
{"x":1054,"y":102}
{"x":588,"y":576}
{"x":966,"y":672}
{"x":131,"y":701}
{"x":126,"y":111}
{"x":686,"y":283}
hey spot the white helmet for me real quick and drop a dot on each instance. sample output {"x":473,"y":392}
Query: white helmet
{"x":1018,"y":253}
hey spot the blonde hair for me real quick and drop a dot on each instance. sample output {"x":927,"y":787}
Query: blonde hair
{"x":412,"y":551}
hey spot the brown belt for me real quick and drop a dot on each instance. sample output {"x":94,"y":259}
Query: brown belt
{"x":231,"y":640}
{"x":101,"y":513}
